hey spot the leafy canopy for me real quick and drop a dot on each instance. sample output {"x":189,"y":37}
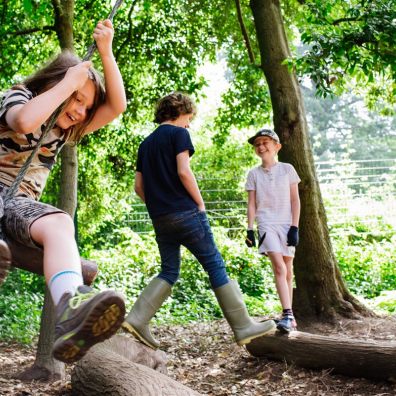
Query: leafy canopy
{"x":351,"y":44}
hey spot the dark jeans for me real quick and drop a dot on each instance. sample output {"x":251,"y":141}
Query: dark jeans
{"x":192,"y":230}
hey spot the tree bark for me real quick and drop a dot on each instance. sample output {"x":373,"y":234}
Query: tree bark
{"x":356,"y":358}
{"x":320,"y":288}
{"x":67,"y":199}
{"x":123,"y":367}
{"x":64,"y":12}
{"x":45,"y":367}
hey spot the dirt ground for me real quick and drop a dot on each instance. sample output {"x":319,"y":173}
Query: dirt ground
{"x":204,"y":357}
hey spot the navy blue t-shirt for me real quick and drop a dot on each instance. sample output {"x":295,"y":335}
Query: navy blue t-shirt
{"x":164,"y":192}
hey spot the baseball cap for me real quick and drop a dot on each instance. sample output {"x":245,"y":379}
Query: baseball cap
{"x":264,"y":132}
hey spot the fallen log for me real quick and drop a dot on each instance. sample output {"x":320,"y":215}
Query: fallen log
{"x":122,"y":366}
{"x":352,"y":357}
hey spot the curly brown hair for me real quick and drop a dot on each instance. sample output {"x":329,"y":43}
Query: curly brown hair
{"x":171,"y":106}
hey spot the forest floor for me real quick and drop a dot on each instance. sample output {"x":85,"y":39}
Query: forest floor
{"x":203,"y":357}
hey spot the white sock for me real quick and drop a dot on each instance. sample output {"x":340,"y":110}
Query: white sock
{"x":62,"y":282}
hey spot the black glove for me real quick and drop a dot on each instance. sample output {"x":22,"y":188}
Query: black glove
{"x":292,"y":236}
{"x":250,"y":239}
{"x":261,"y":239}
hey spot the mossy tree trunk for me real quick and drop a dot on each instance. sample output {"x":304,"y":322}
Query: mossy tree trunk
{"x":321,"y":291}
{"x":45,"y":366}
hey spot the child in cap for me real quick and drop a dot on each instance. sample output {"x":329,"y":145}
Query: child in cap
{"x":274,"y":202}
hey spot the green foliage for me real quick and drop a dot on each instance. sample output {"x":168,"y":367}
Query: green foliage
{"x":340,"y":126}
{"x":22,"y":296}
{"x":366,"y":258}
{"x":159,"y":45}
{"x":23,"y":50}
{"x":246,"y":103}
{"x":385,"y":302}
{"x":354,"y":39}
{"x":365,"y":254}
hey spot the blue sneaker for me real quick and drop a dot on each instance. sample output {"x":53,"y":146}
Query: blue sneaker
{"x":286,"y":324}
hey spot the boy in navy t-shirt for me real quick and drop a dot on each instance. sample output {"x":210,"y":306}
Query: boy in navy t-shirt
{"x":165,"y":182}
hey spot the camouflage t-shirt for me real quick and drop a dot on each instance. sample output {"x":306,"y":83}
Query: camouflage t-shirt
{"x":15,"y":148}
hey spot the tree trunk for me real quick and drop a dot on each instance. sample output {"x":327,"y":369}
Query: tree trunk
{"x":320,"y":288}
{"x":64,"y":11}
{"x":123,"y":367}
{"x":356,"y":358}
{"x":67,"y":199}
{"x":45,"y":367}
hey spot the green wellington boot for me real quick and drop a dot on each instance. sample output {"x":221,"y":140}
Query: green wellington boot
{"x":244,"y":327}
{"x":145,"y":307}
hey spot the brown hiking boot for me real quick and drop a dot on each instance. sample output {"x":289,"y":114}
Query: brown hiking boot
{"x":85,"y":319}
{"x":5,"y":260}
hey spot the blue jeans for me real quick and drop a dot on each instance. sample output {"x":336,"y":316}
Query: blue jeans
{"x":192,"y":230}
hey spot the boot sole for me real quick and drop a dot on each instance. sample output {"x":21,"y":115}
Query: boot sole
{"x":102,"y":321}
{"x":283,"y":330}
{"x":130,"y":329}
{"x":249,"y":339}
{"x":5,"y":260}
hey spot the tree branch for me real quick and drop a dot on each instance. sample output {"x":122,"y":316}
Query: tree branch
{"x":57,"y":6}
{"x":244,"y":31}
{"x":4,"y":11}
{"x":381,"y":52}
{"x":32,"y":30}
{"x":338,"y":21}
{"x":129,"y":34}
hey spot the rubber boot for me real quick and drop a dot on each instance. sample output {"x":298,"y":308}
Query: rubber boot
{"x":145,"y":307}
{"x":231,"y":302}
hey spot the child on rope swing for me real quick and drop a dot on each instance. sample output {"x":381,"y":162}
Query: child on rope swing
{"x":84,"y":317}
{"x":165,"y":182}
{"x":274,"y":203}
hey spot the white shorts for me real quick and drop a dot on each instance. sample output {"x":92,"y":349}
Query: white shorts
{"x":275,"y":239}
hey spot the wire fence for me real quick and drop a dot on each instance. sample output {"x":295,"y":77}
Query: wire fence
{"x":352,"y":191}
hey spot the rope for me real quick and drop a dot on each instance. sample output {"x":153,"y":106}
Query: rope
{"x":51,"y":122}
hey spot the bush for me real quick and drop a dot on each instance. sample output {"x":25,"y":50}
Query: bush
{"x":22,"y":296}
{"x":366,"y":258}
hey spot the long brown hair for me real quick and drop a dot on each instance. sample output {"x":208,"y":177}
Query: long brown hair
{"x":52,"y":73}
